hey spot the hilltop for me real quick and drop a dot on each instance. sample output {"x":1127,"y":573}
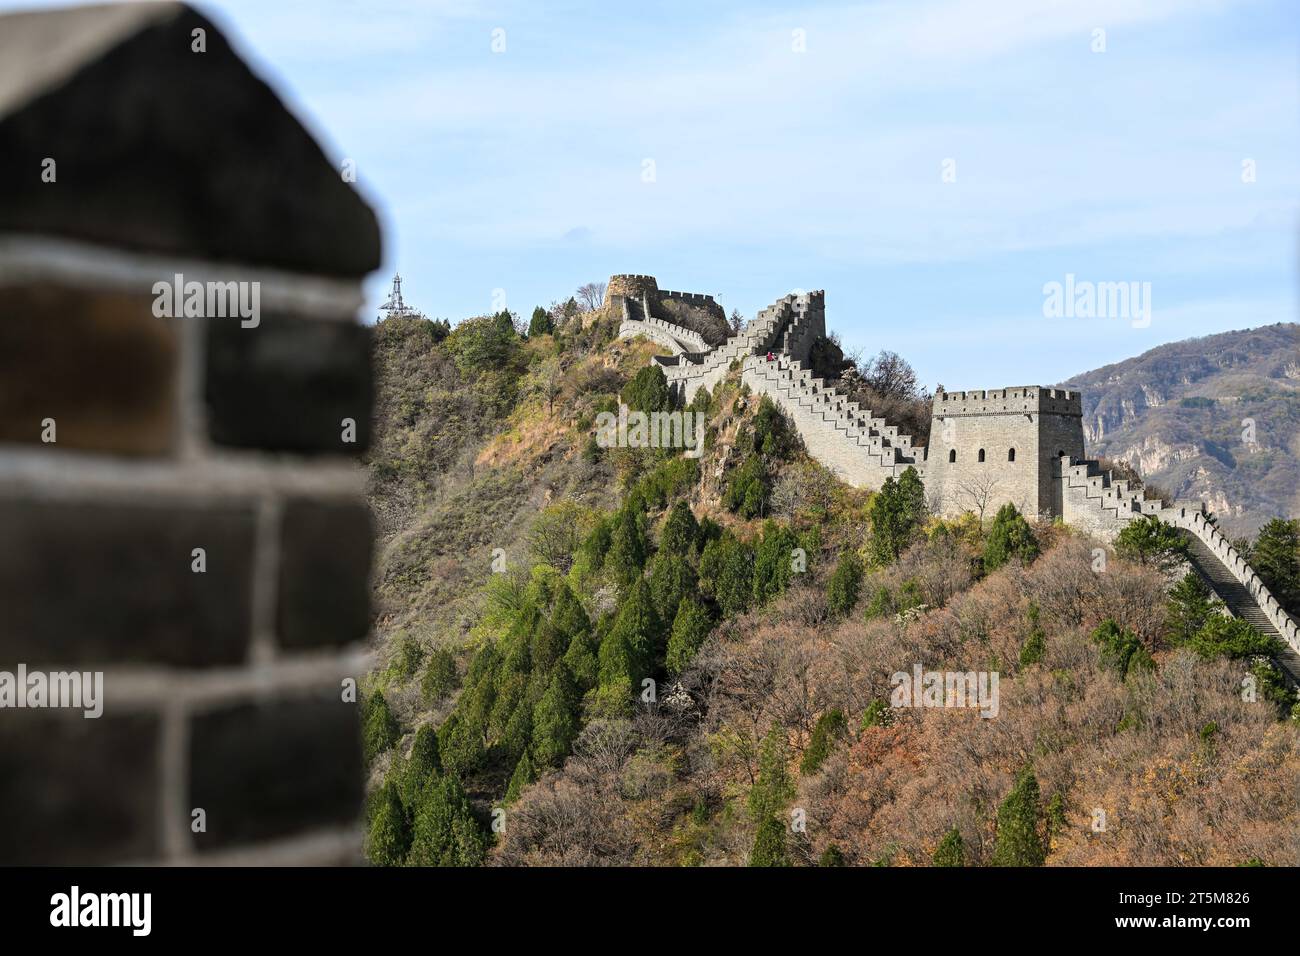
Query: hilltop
{"x":637,"y":657}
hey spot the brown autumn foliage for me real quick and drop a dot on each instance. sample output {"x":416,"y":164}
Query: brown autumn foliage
{"x":1183,"y":771}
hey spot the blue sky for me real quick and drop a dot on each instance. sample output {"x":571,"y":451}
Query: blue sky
{"x":775,"y":169}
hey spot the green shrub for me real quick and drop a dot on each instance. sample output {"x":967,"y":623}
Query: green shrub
{"x":845,"y":582}
{"x":648,"y":391}
{"x":897,"y":513}
{"x":1233,"y":638}
{"x":1018,"y":841}
{"x":832,"y":856}
{"x":831,"y":727}
{"x":690,"y":627}
{"x":772,"y":562}
{"x":769,"y":845}
{"x":1191,"y":605}
{"x":1035,"y":645}
{"x":951,"y":851}
{"x":379,"y":729}
{"x":1010,"y":537}
{"x":773,"y":789}
{"x":389,"y":835}
{"x":440,"y":677}
{"x":1150,"y":541}
{"x":1121,"y":651}
{"x":877,"y":714}
{"x":748,"y":488}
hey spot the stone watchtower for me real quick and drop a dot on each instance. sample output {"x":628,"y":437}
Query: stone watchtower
{"x":988,"y":448}
{"x":633,"y":287}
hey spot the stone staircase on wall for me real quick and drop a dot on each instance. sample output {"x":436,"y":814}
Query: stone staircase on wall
{"x":637,"y":320}
{"x":859,"y":447}
{"x":1095,"y":501}
{"x":1235,"y":582}
{"x":688,"y":372}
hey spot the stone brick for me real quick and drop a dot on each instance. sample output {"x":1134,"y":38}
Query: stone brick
{"x":270,"y":769}
{"x":162,"y":149}
{"x":86,"y":583}
{"x":96,"y":362}
{"x":77,"y":791}
{"x":288,"y":384}
{"x":324,"y":573}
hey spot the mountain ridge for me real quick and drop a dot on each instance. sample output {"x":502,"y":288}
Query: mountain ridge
{"x":1214,"y":418}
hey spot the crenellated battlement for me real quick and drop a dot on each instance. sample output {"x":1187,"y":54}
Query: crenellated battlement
{"x":1014,"y":400}
{"x":699,"y":297}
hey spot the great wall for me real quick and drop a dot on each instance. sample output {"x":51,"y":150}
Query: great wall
{"x":1022,"y":445}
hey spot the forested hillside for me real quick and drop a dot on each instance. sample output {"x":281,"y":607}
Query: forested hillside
{"x":612,"y":655}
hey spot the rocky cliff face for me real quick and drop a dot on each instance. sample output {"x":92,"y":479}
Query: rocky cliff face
{"x":1215,"y":418}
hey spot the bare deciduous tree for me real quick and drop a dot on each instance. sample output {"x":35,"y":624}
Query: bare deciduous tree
{"x":979,"y":490}
{"x":890,"y":375}
{"x":591,"y":295}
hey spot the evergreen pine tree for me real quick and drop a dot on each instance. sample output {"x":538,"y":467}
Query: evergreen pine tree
{"x":460,"y":746}
{"x":829,"y":730}
{"x":727,"y":573}
{"x":769,"y":845}
{"x":380,"y":730}
{"x":773,"y":789}
{"x":690,"y":628}
{"x":627,"y":546}
{"x":680,"y":530}
{"x":638,"y":629}
{"x":523,"y":776}
{"x":567,"y":614}
{"x":555,"y":720}
{"x":445,"y":831}
{"x":581,"y":661}
{"x":425,"y":762}
{"x":1010,"y":537}
{"x":845,"y":582}
{"x":1150,"y":541}
{"x":439,"y":677}
{"x":747,"y":488}
{"x":772,"y":562}
{"x":1233,"y":638}
{"x":1018,"y":840}
{"x":1191,"y":603}
{"x":541,"y":323}
{"x":1035,"y":646}
{"x":671,"y":580}
{"x":897,"y":512}
{"x":389,"y":836}
{"x":1276,"y":558}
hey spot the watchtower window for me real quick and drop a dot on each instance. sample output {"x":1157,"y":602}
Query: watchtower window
{"x":1011,"y":454}
{"x":952,"y":455}
{"x":981,"y":454}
